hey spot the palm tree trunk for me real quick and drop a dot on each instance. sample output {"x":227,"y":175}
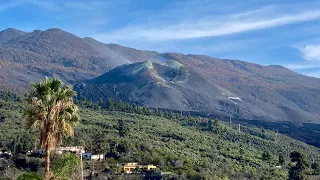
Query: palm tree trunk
{"x":47,"y":163}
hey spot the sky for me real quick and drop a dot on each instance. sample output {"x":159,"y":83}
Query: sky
{"x":266,"y":32}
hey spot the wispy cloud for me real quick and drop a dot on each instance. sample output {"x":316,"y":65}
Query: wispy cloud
{"x":87,"y":5}
{"x":263,"y":18}
{"x":48,"y":5}
{"x":310,"y":52}
{"x":310,"y":66}
{"x":8,"y":5}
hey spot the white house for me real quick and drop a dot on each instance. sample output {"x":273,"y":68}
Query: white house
{"x":89,"y":156}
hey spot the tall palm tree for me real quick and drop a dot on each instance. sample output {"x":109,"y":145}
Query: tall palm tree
{"x":51,"y":110}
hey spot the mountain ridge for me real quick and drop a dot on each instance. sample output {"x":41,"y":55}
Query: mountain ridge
{"x":9,"y":34}
{"x":32,"y":56}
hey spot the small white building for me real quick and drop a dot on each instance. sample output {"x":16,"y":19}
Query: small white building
{"x":60,"y":150}
{"x":97,"y":157}
{"x":89,"y":156}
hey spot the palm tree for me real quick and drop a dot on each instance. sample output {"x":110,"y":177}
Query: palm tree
{"x":51,"y":110}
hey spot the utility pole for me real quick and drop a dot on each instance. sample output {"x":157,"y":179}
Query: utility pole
{"x":81,"y":158}
{"x":230,"y":120}
{"x":92,"y":161}
{"x":81,"y":165}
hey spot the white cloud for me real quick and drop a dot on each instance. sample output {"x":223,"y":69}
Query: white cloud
{"x":311,"y":64}
{"x":263,"y":18}
{"x":310,"y":52}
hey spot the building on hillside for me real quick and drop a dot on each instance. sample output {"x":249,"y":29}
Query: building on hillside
{"x":73,"y":149}
{"x":60,"y":150}
{"x":134,"y":167}
{"x":89,"y":156}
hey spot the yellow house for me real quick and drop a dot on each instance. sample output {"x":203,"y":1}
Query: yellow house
{"x":129,"y":167}
{"x":149,"y":167}
{"x":132,"y":167}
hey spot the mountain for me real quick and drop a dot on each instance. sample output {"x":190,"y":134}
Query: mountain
{"x":9,"y":34}
{"x":161,"y":85}
{"x":31,"y":56}
{"x":266,"y":92}
{"x":172,"y":85}
{"x":264,"y":86}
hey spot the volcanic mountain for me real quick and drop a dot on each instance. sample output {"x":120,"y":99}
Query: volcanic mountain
{"x":172,"y":85}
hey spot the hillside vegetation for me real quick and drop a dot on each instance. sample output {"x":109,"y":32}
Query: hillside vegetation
{"x":189,"y":147}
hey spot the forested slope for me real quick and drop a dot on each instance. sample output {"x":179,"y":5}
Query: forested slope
{"x":189,"y":147}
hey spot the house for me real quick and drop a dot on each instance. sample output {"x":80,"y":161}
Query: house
{"x":60,"y":150}
{"x":129,"y":167}
{"x":97,"y":157}
{"x":89,"y":156}
{"x":74,"y":149}
{"x":133,"y":167}
{"x":149,"y":167}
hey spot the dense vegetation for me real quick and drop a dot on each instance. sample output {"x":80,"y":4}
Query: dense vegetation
{"x":189,"y":147}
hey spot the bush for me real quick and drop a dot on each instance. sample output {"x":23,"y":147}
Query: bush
{"x":30,"y":176}
{"x":66,"y":166}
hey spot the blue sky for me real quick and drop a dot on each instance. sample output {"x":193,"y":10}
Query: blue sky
{"x":266,"y":32}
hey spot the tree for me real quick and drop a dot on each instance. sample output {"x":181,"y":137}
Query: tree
{"x":214,"y":126}
{"x":122,"y":128}
{"x":300,"y":170}
{"x":110,"y":104}
{"x":210,"y":125}
{"x":281,"y":159}
{"x":266,"y":155}
{"x":51,"y":111}
{"x":316,"y":168}
{"x":66,"y":166}
{"x":189,"y":115}
{"x":101,"y":103}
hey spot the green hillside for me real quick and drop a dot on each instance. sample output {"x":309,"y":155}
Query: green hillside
{"x":189,"y":147}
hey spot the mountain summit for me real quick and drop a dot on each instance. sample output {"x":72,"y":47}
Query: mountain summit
{"x":160,"y":85}
{"x":9,"y":34}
